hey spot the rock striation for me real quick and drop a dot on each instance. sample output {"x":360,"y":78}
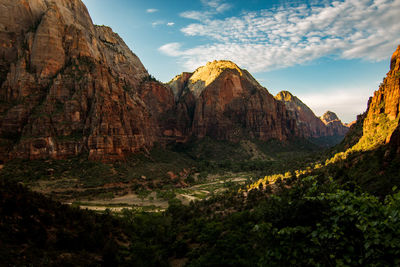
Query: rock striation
{"x":334,"y":125}
{"x":310,"y":125}
{"x":67,"y":86}
{"x":224,"y":102}
{"x":381,"y":122}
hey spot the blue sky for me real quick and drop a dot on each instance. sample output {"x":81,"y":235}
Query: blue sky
{"x":331,"y":54}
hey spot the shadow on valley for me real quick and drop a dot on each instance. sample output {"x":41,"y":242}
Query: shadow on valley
{"x":327,"y":215}
{"x":163,"y":169}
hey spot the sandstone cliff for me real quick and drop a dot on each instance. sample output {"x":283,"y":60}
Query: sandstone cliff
{"x":334,"y":125}
{"x":382,"y":115}
{"x":309,"y":124}
{"x":227,"y":103}
{"x":67,"y":86}
{"x":379,"y":124}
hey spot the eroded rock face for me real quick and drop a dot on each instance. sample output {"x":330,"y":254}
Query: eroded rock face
{"x":334,"y":125}
{"x":309,"y":124}
{"x":379,"y":124}
{"x":69,"y":87}
{"x":224,"y":102}
{"x":382,"y":116}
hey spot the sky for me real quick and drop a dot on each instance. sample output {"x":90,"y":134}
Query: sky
{"x":331,"y":54}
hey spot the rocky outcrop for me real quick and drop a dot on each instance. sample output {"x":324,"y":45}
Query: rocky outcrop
{"x":69,"y":87}
{"x":334,"y":125}
{"x":309,"y":124}
{"x":227,"y":103}
{"x":379,"y":124}
{"x":382,"y":115}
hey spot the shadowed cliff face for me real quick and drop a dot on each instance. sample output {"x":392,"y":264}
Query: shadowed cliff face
{"x":309,"y":124}
{"x":226,"y":103}
{"x":67,"y":86}
{"x":334,"y":125}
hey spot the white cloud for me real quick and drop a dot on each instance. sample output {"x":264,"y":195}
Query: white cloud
{"x":152,"y":10}
{"x":213,"y":7}
{"x":162,"y":23}
{"x":157,"y":23}
{"x":196,"y":15}
{"x":171,"y":49}
{"x":290,"y":35}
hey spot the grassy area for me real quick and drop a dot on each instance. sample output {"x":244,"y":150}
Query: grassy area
{"x":191,"y":171}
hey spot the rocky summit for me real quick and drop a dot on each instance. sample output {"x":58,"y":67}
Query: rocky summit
{"x":381,"y":121}
{"x":69,"y":87}
{"x":334,"y":125}
{"x":309,"y":124}
{"x":225,"y":102}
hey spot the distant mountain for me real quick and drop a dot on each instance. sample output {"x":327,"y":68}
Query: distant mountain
{"x":309,"y":124}
{"x":333,"y":124}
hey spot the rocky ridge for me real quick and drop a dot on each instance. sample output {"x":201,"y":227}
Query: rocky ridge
{"x":68,"y":87}
{"x":381,"y":120}
{"x":225,"y":102}
{"x":333,"y":124}
{"x":309,"y":124}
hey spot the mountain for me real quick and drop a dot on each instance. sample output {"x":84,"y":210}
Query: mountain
{"x":382,"y":119}
{"x":311,"y":125}
{"x":222,"y":101}
{"x":70,"y":87}
{"x":325,"y":131}
{"x":370,"y":153}
{"x":333,"y":124}
{"x":379,"y":125}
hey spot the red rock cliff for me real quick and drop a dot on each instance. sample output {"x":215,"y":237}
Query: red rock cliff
{"x":67,"y":86}
{"x":382,"y":116}
{"x":334,"y":125}
{"x":227,"y":103}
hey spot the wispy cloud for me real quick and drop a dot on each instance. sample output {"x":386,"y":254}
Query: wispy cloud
{"x":162,"y":23}
{"x":152,"y":10}
{"x":290,"y":35}
{"x":157,"y":23}
{"x":218,"y":5}
{"x":212,"y":7}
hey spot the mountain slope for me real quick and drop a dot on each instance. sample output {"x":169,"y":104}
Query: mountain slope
{"x":324,"y":131}
{"x":67,"y":86}
{"x":333,"y":124}
{"x":370,"y":153}
{"x":310,"y":125}
{"x":381,"y":120}
{"x":227,"y":103}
